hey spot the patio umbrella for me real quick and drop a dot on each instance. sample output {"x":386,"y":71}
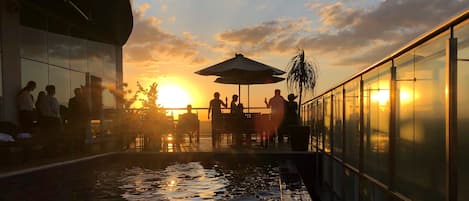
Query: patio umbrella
{"x":240,"y":66}
{"x":248,"y":80}
{"x":243,"y":71}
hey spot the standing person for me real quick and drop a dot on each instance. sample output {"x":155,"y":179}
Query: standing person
{"x":215,"y":108}
{"x":277,"y":106}
{"x":235,"y":121}
{"x":291,"y":114}
{"x":25,"y":103}
{"x":52,"y":122}
{"x":233,"y":106}
{"x":41,"y":104}
{"x":78,"y":117}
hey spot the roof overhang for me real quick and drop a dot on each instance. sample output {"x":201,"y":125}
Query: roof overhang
{"x":108,"y":21}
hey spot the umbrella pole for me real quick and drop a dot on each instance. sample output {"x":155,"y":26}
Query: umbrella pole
{"x":249,"y":106}
{"x":239,"y":93}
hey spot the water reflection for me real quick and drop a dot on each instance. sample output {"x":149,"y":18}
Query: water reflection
{"x":193,"y":181}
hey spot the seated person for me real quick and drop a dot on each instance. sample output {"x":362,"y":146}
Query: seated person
{"x":188,"y":123}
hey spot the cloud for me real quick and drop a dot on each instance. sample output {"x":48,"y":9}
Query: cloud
{"x":164,"y":7}
{"x":148,"y":43}
{"x":352,"y":36}
{"x":395,"y":22}
{"x":274,"y":36}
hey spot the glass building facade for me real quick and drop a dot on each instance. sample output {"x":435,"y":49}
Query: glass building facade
{"x":60,"y":44}
{"x":397,"y":130}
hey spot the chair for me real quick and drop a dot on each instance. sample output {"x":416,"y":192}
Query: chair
{"x":188,"y":124}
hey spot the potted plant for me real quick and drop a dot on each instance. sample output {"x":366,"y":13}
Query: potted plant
{"x":301,"y":77}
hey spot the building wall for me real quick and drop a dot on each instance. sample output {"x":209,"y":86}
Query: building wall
{"x":39,"y":46}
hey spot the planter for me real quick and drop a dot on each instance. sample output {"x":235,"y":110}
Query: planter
{"x":299,"y":138}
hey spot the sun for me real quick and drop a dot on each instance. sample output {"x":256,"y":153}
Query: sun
{"x":172,"y":96}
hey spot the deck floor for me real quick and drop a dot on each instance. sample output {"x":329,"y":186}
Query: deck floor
{"x":205,"y":145}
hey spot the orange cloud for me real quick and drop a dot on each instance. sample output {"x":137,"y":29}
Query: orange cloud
{"x":148,"y":43}
{"x":278,"y":37}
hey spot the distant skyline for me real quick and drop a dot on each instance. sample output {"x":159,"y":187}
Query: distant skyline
{"x":172,"y":39}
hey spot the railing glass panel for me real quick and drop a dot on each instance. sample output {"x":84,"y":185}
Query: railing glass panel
{"x":462,"y":35}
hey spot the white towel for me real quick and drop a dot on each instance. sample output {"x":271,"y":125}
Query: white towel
{"x":6,"y":138}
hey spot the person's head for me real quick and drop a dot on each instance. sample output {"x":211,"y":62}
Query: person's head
{"x":189,"y":108}
{"x":235,"y":97}
{"x":277,"y":92}
{"x":216,"y":95}
{"x":41,"y":95}
{"x":30,"y":86}
{"x":291,"y":97}
{"x":50,"y":90}
{"x":77,"y":91}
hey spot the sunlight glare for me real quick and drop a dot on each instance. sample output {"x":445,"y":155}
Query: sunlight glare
{"x":172,"y":96}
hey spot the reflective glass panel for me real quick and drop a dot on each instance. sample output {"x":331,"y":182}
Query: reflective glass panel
{"x":420,"y":146}
{"x":77,"y":80}
{"x":337,"y":180}
{"x":34,"y":44}
{"x":109,"y":67}
{"x":60,"y":78}
{"x":337,"y":122}
{"x":376,"y":113}
{"x":314,"y":123}
{"x":109,"y":100}
{"x":327,"y":123}
{"x":462,"y":35}
{"x":96,"y":58}
{"x":320,"y":124}
{"x":351,"y":184}
{"x":352,"y":122}
{"x":59,"y":50}
{"x":34,"y":71}
{"x":78,"y":58}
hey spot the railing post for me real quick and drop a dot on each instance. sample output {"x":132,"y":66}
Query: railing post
{"x":331,"y":133}
{"x":362,"y":145}
{"x":343,"y":140}
{"x":392,"y":127}
{"x":451,"y":109}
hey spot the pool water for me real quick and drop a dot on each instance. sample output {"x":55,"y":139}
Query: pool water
{"x":143,"y":177}
{"x":191,"y":181}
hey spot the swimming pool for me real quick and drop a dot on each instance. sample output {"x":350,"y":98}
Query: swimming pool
{"x":136,"y":177}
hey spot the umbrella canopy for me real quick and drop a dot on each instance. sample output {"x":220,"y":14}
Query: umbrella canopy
{"x":239,"y":66}
{"x":243,"y":71}
{"x":249,"y":80}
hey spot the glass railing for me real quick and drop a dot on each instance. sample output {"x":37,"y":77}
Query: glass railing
{"x":391,"y":131}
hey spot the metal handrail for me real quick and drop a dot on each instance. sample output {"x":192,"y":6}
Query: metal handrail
{"x":418,"y":41}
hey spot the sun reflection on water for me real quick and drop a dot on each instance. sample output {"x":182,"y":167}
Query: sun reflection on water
{"x":193,"y":181}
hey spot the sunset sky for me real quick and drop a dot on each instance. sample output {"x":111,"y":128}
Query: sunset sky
{"x":172,"y":39}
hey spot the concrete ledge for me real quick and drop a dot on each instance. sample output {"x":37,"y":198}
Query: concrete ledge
{"x":52,"y":165}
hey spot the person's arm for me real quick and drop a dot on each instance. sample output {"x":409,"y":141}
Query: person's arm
{"x":224,"y":104}
{"x":266,"y":103}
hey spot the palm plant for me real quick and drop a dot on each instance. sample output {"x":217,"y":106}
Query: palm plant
{"x":301,"y":75}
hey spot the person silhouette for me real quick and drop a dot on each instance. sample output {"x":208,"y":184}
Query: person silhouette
{"x":217,"y":120}
{"x":78,"y":117}
{"x":188,"y":123}
{"x":233,"y":106}
{"x":52,"y":126}
{"x":25,"y":104}
{"x":277,"y":106}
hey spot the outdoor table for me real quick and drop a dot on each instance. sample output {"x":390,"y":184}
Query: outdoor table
{"x":251,"y":123}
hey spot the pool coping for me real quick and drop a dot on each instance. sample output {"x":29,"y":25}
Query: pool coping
{"x":68,"y":162}
{"x":52,"y":165}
